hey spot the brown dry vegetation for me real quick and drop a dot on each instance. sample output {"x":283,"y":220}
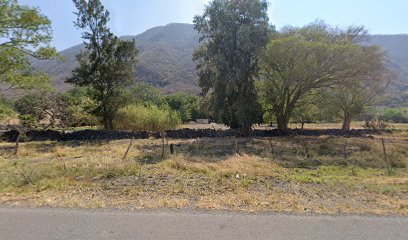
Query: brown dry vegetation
{"x":293,"y":174}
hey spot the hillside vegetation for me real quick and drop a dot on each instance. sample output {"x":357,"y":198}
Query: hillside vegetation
{"x":165,"y":58}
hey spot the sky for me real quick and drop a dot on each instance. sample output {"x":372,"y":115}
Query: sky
{"x":132,"y":17}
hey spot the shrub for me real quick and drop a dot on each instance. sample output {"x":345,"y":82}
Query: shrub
{"x":80,"y":107}
{"x":395,"y":115}
{"x":149,"y":118}
{"x":187,"y":104}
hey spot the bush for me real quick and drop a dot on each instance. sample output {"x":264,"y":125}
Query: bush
{"x":32,"y":106}
{"x":80,"y":107}
{"x":149,"y":118}
{"x":187,"y":104}
{"x":395,"y":115}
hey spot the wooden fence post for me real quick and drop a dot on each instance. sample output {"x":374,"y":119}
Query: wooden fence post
{"x":385,"y":153}
{"x":128,"y":148}
{"x":272,"y":149}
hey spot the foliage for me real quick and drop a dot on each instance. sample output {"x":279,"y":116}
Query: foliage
{"x":6,"y":110}
{"x":80,"y":108}
{"x":149,"y":118}
{"x":232,"y":36}
{"x":36,"y":107}
{"x":395,"y":115}
{"x":24,"y":32}
{"x":145,"y":94}
{"x":349,"y":99}
{"x":33,"y":105}
{"x":107,"y":65}
{"x":306,"y":113}
{"x":188,"y":105}
{"x":70,"y":109}
{"x":300,"y":61}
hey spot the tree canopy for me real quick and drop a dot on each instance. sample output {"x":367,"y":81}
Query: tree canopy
{"x":24,"y":33}
{"x":350,"y":99}
{"x":299,"y":61}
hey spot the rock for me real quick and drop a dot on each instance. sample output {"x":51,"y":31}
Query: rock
{"x":79,"y":178}
{"x":237,"y":176}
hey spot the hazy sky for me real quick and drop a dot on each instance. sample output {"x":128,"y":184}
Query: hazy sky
{"x":131,"y":17}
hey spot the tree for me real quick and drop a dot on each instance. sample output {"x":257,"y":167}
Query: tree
{"x":306,"y":113}
{"x":80,"y":107}
{"x":232,"y":36}
{"x":24,"y":33}
{"x":145,"y":94}
{"x":395,"y":115}
{"x":299,"y":61}
{"x":54,"y":107}
{"x":6,"y":110}
{"x":33,"y":105}
{"x":107,"y":65}
{"x":351,"y":98}
{"x":187,"y":104}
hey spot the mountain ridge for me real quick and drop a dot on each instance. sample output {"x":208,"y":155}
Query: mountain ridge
{"x":165,"y":58}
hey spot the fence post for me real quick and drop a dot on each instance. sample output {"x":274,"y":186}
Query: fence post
{"x":128,"y":148}
{"x":385,"y":153}
{"x":306,"y":148}
{"x":345,"y":150}
{"x":272,"y":149}
{"x":163,"y":138}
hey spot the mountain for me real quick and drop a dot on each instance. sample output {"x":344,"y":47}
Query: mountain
{"x":396,"y":46}
{"x":165,"y":58}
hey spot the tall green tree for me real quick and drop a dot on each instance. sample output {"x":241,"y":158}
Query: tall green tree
{"x":232,"y":35}
{"x":300,"y":61}
{"x":107,"y":65}
{"x":24,"y":33}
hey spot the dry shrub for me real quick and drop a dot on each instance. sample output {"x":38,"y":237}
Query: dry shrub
{"x":150,"y":118}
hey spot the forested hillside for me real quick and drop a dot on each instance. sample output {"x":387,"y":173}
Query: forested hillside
{"x":397,"y":48}
{"x":165,"y":59}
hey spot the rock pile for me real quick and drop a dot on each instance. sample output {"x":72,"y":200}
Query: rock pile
{"x":108,"y":135}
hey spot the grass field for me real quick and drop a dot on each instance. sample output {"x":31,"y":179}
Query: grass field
{"x":331,"y":175}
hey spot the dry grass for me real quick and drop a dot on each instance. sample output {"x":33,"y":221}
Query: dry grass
{"x":232,"y":174}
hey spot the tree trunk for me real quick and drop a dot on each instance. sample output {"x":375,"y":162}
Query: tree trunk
{"x":346,"y":122}
{"x":110,"y":124}
{"x":283,"y":122}
{"x":105,"y":123}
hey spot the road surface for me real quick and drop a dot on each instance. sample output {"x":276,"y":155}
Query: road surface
{"x":36,"y":224}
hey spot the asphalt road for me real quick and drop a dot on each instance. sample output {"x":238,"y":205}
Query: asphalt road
{"x":33,"y":224}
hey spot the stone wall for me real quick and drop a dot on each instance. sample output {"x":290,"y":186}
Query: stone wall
{"x":106,"y":135}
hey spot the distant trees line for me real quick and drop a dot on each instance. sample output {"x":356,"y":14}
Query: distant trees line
{"x":248,"y":72}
